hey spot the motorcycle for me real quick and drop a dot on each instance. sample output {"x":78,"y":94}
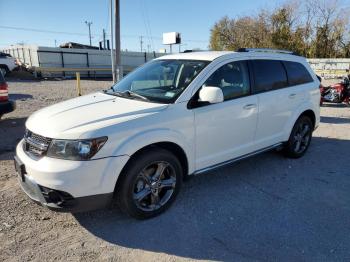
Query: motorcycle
{"x":337,"y":93}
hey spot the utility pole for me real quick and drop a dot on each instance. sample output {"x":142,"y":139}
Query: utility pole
{"x":112,"y":40}
{"x":55,"y":43}
{"x":180,"y":47}
{"x":104,"y":38}
{"x":117,"y":38}
{"x":141,"y":43}
{"x":89,"y":25}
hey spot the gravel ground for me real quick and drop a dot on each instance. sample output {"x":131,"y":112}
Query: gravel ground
{"x":266,"y":208}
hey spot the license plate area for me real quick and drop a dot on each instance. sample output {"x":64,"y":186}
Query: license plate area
{"x":20,"y":168}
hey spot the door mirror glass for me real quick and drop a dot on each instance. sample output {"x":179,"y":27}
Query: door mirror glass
{"x":211,"y":94}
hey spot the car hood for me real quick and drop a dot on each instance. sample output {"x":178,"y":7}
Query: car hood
{"x":71,"y":118}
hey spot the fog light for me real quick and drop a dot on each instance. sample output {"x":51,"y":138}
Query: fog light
{"x":54,"y":197}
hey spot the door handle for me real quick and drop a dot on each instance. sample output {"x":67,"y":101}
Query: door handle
{"x":249,"y":106}
{"x":292,"y":95}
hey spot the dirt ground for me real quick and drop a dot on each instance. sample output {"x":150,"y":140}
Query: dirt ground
{"x":266,"y":208}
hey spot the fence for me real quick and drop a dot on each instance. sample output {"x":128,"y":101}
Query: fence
{"x":330,"y":68}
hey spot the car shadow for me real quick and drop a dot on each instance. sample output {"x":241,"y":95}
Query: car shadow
{"x":335,"y":120}
{"x":11,"y":132}
{"x":264,"y":208}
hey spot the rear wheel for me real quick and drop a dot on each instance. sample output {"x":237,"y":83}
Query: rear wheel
{"x":300,"y":138}
{"x":150,"y":183}
{"x":3,"y":70}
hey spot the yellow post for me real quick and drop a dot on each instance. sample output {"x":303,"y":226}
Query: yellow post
{"x":78,"y":83}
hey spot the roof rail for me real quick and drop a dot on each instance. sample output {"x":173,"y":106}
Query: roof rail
{"x":192,"y":51}
{"x":267,"y":50}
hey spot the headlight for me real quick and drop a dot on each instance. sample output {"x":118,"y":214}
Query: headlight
{"x":75,"y":149}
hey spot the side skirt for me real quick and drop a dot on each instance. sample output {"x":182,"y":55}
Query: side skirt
{"x":210,"y":168}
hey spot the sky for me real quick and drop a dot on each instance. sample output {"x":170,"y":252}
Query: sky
{"x":64,"y":21}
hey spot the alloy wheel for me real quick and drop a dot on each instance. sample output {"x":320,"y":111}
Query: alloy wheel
{"x":3,"y":71}
{"x":154,"y":186}
{"x":302,"y":138}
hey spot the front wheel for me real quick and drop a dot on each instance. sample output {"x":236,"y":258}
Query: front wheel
{"x":150,"y":183}
{"x":300,"y":138}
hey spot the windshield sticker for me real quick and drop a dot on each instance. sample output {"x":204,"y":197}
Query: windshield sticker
{"x":169,"y":94}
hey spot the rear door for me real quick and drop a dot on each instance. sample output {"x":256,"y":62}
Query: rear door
{"x":277,"y":100}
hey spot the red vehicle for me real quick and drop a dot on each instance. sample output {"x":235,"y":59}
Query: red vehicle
{"x":6,"y":105}
{"x":337,"y":93}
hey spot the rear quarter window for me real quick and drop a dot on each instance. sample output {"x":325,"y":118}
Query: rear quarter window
{"x":297,"y":73}
{"x":269,"y":75}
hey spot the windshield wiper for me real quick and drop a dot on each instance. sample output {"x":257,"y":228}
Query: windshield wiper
{"x":133,"y":94}
{"x":126,"y":94}
{"x":114,"y":93}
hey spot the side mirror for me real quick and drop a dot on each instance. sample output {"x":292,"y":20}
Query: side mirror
{"x":211,"y":94}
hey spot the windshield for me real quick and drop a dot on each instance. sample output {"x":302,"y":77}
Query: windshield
{"x":159,"y":81}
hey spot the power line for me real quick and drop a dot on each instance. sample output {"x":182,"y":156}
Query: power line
{"x":146,"y":23}
{"x":40,"y":31}
{"x":82,"y":34}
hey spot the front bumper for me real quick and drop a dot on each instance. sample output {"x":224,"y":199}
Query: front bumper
{"x":58,"y":200}
{"x":68,"y":186}
{"x":7,"y":107}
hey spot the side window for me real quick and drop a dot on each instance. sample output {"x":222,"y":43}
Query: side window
{"x":269,"y":75}
{"x":297,"y":73}
{"x":232,"y":78}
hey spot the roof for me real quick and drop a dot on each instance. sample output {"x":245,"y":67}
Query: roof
{"x":212,"y":55}
{"x":77,"y":45}
{"x":206,"y":56}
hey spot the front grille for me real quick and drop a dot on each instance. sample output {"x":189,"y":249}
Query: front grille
{"x":35,"y":145}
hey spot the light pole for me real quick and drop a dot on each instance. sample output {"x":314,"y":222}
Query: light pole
{"x":115,"y":58}
{"x":112,"y":41}
{"x":117,"y":39}
{"x":89,"y":25}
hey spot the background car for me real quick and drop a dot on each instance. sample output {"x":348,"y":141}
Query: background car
{"x":7,"y":63}
{"x":6,"y":106}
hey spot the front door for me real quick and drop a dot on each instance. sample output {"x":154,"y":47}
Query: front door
{"x":226,"y":130}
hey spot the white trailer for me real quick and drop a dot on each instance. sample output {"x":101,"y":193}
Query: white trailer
{"x":54,"y":57}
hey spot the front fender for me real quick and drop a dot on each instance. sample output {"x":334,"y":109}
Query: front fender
{"x":145,"y":138}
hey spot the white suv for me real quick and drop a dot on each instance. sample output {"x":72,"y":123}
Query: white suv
{"x":177,"y":115}
{"x":7,"y":63}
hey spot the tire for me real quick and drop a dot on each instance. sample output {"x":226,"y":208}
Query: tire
{"x":300,"y":138}
{"x":143,"y":192}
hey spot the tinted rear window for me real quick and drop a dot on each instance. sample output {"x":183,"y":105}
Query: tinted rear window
{"x":269,"y":75}
{"x":297,"y":73}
